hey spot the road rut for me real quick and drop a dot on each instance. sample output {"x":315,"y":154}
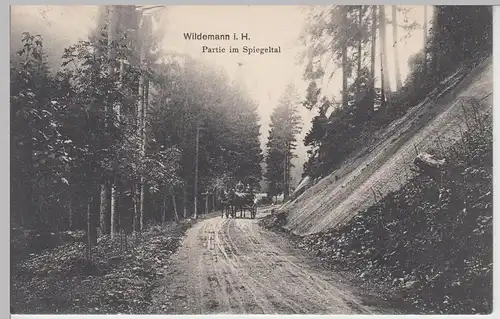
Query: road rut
{"x":234,"y":266}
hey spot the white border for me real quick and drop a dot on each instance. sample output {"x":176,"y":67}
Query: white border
{"x":5,"y":167}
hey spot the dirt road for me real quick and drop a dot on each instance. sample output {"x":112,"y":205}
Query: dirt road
{"x":234,"y":266}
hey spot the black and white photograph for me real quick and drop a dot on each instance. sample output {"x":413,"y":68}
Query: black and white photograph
{"x":251,"y":159}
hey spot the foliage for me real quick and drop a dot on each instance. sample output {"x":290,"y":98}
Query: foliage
{"x":37,"y":143}
{"x":68,"y":136}
{"x":229,"y":139}
{"x":119,"y":280}
{"x":340,"y":129}
{"x":284,"y":127}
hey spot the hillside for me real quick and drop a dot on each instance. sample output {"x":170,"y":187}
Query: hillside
{"x":383,"y":166}
{"x":428,"y":246}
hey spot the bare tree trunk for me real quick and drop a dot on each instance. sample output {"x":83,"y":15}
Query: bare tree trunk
{"x":111,"y":56}
{"x":184,"y":200}
{"x":164,"y":209}
{"x":140,"y":121}
{"x":184,"y":140}
{"x":360,"y":53}
{"x":141,"y":207}
{"x":206,"y":203}
{"x":139,"y":188}
{"x":213,"y":200}
{"x":115,"y":217}
{"x":383,"y":47}
{"x":383,"y":60}
{"x":373,"y":56}
{"x":383,"y":105}
{"x":345,"y":94}
{"x":425,"y":30}
{"x":89,"y":229}
{"x":104,"y":215}
{"x":284,"y":178}
{"x":399,"y":83}
{"x":175,"y":207}
{"x":286,"y":172}
{"x":135,"y":218}
{"x":196,"y":170}
{"x":143,"y":149}
{"x":287,"y":163}
{"x":436,"y":25}
{"x":71,"y":212}
{"x":345,"y":75}
{"x":114,"y":214}
{"x":144,"y":112}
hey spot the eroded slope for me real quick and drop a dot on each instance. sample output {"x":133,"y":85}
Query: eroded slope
{"x":384,"y":166}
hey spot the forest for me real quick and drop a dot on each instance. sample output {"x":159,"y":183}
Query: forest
{"x":120,"y":135}
{"x":342,"y":127}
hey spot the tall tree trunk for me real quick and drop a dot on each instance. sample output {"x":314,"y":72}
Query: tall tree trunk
{"x":104,"y":214}
{"x":164,"y":209}
{"x":143,"y":149}
{"x":136,"y":199}
{"x":185,"y":142}
{"x":373,"y":57}
{"x":382,"y":88}
{"x":286,"y":172}
{"x":383,"y":48}
{"x":140,"y":120}
{"x":399,"y":83}
{"x":139,"y":188}
{"x":184,"y":199}
{"x":206,"y":203}
{"x":425,"y":31}
{"x":71,"y":212}
{"x":114,"y":214}
{"x":345,"y":94}
{"x":110,"y":53}
{"x":89,"y":229}
{"x":383,"y":60}
{"x":174,"y":202}
{"x":360,"y":53}
{"x":141,"y":206}
{"x":105,"y":207}
{"x":213,"y":200}
{"x":196,"y":170}
{"x":436,"y":25}
{"x":284,"y":176}
{"x":345,"y":75}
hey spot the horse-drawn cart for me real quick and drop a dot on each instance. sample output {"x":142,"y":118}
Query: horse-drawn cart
{"x":238,"y":200}
{"x":246,"y":201}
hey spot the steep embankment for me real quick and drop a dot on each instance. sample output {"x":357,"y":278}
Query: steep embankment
{"x":383,"y":166}
{"x":428,"y":246}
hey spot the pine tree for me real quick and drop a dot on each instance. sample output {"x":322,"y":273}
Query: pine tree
{"x":284,"y":127}
{"x":395,"y":38}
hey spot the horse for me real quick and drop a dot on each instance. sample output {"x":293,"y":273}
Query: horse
{"x":226,"y":204}
{"x":240,"y":200}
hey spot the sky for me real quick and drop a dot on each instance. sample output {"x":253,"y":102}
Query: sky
{"x":264,"y":76}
